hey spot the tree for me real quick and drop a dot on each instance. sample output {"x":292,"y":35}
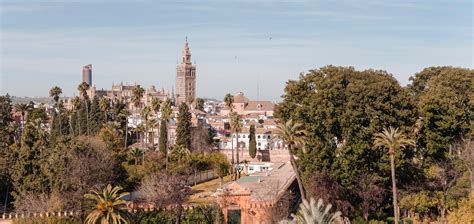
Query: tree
{"x":341,"y":109}
{"x":293,"y":136}
{"x":83,"y":87}
{"x":164,"y":190}
{"x":442,"y":176}
{"x":96,"y":118}
{"x":23,"y":109}
{"x":181,"y":152}
{"x":200,"y":104}
{"x":166,"y":113}
{"x":75,"y":124}
{"x":104,"y":105}
{"x":444,"y":96}
{"x":153,"y":124}
{"x":252,"y":142}
{"x":25,"y":172}
{"x":109,"y":206}
{"x":229,"y":103}
{"x":322,"y":185}
{"x":136,"y":154}
{"x":312,"y":213}
{"x":236,"y":126}
{"x":465,"y":151}
{"x":200,"y":139}
{"x":145,"y":113}
{"x":183,"y":131}
{"x":220,"y":165}
{"x":137,"y":94}
{"x":155,"y":105}
{"x":369,"y":192}
{"x":393,"y":140}
{"x":55,"y":93}
{"x":80,"y":165}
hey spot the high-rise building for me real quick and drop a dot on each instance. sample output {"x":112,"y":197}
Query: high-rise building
{"x":185,"y":77}
{"x":87,"y":74}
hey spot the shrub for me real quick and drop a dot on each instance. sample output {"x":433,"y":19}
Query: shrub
{"x":47,"y":220}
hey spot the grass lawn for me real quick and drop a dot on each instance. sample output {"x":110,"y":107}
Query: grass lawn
{"x":202,"y":193}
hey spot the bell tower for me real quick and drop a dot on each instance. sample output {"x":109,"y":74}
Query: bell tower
{"x":185,"y":77}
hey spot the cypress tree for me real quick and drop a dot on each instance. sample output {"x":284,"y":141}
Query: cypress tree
{"x":252,"y":142}
{"x":96,"y":117}
{"x":183,"y":131}
{"x":82,"y":117}
{"x":163,"y":141}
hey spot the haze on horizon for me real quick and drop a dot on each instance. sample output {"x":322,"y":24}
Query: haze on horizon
{"x":235,"y":44}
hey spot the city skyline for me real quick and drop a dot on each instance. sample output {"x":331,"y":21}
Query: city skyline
{"x":235,"y":46}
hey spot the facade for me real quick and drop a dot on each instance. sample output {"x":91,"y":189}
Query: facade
{"x":87,"y":74}
{"x":260,"y":197}
{"x":123,"y":92}
{"x":185,"y":78}
{"x":244,"y":106}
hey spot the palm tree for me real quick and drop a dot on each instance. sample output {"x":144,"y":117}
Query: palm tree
{"x":109,"y":206}
{"x":153,"y":124}
{"x":144,"y":113}
{"x":125,"y":113}
{"x":393,"y":140}
{"x":83,"y":87}
{"x":136,"y":154}
{"x":155,"y":105}
{"x":236,"y":125}
{"x":229,"y":102}
{"x":182,"y":152}
{"x":312,"y":213}
{"x":55,"y":93}
{"x":23,"y":109}
{"x":104,"y":105}
{"x":137,"y":94}
{"x":292,"y":134}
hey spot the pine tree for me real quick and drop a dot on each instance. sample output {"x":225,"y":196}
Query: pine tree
{"x":183,"y":131}
{"x":252,"y":142}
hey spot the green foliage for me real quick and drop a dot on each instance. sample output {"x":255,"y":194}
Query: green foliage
{"x":310,"y":213}
{"x":109,"y":207}
{"x":219,"y":163}
{"x":26,"y":171}
{"x":163,"y":140}
{"x":341,"y":109}
{"x":204,"y":214}
{"x":200,"y":104}
{"x":183,"y":131}
{"x":464,"y":213}
{"x":47,"y":220}
{"x":96,"y":116}
{"x":252,"y":142}
{"x":445,"y":108}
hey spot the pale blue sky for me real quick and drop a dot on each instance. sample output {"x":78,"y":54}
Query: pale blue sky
{"x":45,"y":43}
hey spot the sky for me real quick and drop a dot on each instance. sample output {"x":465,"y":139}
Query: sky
{"x":253,"y":46}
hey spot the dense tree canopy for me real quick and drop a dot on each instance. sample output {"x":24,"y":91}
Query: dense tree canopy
{"x":342,"y":108}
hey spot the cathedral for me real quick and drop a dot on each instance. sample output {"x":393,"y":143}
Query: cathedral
{"x":185,"y":78}
{"x":185,"y":85}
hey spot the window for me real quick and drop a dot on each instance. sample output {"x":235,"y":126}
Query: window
{"x":250,"y":168}
{"x":259,"y":144}
{"x":268,"y":137}
{"x":258,"y":136}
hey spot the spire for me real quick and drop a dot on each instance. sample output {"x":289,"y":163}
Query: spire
{"x":186,"y":54}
